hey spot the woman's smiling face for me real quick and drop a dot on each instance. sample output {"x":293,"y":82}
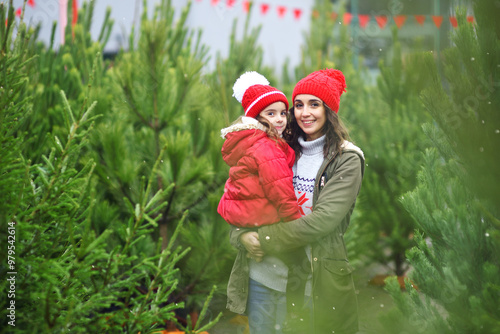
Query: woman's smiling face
{"x":310,"y":115}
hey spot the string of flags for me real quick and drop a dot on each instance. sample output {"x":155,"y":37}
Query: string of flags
{"x":347,"y":18}
{"x":264,"y":8}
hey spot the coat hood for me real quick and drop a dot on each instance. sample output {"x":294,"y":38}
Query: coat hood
{"x":240,"y":136}
{"x":242,"y":123}
{"x":348,"y":146}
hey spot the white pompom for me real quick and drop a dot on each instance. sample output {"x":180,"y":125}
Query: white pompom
{"x":246,"y":80}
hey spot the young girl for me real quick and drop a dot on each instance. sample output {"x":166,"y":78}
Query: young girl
{"x":260,"y":190}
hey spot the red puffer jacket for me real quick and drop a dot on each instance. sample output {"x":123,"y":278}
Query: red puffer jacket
{"x":259,"y":190}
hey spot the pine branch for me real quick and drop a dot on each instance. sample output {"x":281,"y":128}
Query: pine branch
{"x":128,"y":95}
{"x":194,"y":282}
{"x":166,"y":213}
{"x":210,"y":189}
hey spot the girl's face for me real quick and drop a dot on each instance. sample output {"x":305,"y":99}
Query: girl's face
{"x":276,"y":115}
{"x":310,"y":115}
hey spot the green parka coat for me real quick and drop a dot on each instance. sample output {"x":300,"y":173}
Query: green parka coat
{"x":338,"y":182}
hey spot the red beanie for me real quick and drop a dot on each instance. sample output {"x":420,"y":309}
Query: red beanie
{"x":252,"y":90}
{"x":327,"y":85}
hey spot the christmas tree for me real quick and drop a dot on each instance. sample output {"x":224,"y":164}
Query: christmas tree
{"x":62,"y":273}
{"x":68,"y":67}
{"x":455,"y":204}
{"x":390,"y":131}
{"x":160,"y":100}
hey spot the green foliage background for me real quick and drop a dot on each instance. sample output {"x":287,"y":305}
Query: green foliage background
{"x":455,"y":204}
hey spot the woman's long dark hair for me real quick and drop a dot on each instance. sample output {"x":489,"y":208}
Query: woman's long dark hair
{"x":334,"y":129}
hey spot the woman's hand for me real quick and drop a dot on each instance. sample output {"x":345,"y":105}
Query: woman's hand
{"x":252,"y":244}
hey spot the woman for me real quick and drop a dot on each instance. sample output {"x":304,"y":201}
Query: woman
{"x":327,"y":178}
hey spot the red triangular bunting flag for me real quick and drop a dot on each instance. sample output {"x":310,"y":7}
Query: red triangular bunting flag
{"x":214,"y":2}
{"x":75,"y":12}
{"x":18,"y":11}
{"x":230,"y":3}
{"x":31,"y":3}
{"x":281,"y":11}
{"x":381,"y":20}
{"x":363,"y":20}
{"x":420,"y":19}
{"x":315,"y":13}
{"x":400,"y":20}
{"x":437,"y":20}
{"x":297,"y":12}
{"x":246,"y":6}
{"x":334,"y":16}
{"x":264,"y":8}
{"x":453,"y":21}
{"x":470,"y":19}
{"x":347,"y":18}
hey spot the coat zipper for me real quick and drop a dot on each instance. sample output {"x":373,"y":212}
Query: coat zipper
{"x":321,"y":183}
{"x":317,"y":188}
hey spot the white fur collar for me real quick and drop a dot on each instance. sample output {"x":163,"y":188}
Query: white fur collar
{"x":242,"y":123}
{"x":347,"y":145}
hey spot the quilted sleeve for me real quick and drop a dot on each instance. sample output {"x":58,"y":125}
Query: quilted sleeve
{"x":276,"y":179}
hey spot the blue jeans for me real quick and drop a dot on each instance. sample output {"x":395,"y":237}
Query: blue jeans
{"x":266,"y":309}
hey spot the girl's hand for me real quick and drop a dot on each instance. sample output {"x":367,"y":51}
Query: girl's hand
{"x":252,"y":244}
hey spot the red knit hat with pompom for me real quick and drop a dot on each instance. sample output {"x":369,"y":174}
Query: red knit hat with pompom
{"x":327,"y":85}
{"x":252,"y":90}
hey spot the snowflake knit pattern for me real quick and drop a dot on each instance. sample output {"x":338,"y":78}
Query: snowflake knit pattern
{"x":305,"y":170}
